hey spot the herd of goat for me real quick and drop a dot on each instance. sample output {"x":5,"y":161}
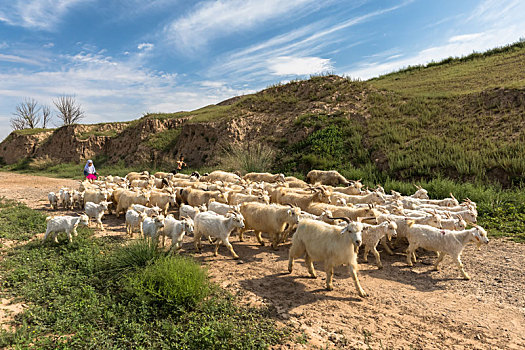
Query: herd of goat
{"x":326,"y":221}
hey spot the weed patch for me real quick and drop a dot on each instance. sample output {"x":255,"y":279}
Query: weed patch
{"x":18,"y":222}
{"x":255,"y":157}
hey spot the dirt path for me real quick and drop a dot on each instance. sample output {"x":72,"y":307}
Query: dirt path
{"x":408,"y":308}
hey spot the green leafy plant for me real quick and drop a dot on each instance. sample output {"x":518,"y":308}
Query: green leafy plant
{"x":171,"y":282}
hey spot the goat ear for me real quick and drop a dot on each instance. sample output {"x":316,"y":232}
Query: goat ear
{"x":410,"y":223}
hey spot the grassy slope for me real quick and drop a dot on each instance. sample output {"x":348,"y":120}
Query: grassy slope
{"x":461,"y":119}
{"x":494,"y":69}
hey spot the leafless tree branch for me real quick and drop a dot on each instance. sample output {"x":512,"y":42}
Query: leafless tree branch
{"x":18,"y":123}
{"x":69,"y":111}
{"x":26,"y":115}
{"x":46,"y":116}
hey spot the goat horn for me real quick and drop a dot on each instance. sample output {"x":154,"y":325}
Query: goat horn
{"x":347,"y":220}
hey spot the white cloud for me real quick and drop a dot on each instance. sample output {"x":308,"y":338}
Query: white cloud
{"x":498,"y":11}
{"x":39,"y":14}
{"x":48,"y":45}
{"x":109,"y":90}
{"x":212,"y":84}
{"x":464,"y":37}
{"x":3,"y":45}
{"x":213,"y":19}
{"x":502,"y":21}
{"x":145,"y":46}
{"x":393,"y":56}
{"x":18,"y":59}
{"x":252,"y":63}
{"x":299,"y":65}
{"x":455,"y":48}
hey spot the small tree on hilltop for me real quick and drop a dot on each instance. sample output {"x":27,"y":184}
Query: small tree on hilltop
{"x":46,"y":116}
{"x":69,"y":111}
{"x":26,"y":115}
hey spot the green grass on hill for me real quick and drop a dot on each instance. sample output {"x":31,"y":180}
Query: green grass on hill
{"x":164,"y":140}
{"x":33,"y":131}
{"x":100,"y":129}
{"x":204,"y":114}
{"x":460,"y":138}
{"x":504,"y":67}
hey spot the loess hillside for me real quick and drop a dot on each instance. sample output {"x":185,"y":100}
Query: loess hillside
{"x":460,"y":118}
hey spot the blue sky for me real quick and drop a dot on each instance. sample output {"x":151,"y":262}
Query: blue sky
{"x":123,"y":58}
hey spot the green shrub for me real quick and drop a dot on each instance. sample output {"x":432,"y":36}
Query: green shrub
{"x":130,"y":257}
{"x":255,"y":157}
{"x":170,"y":282}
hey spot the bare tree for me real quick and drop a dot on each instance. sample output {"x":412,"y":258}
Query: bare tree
{"x":26,"y":115}
{"x":18,"y":123}
{"x":46,"y":116}
{"x":69,"y":111}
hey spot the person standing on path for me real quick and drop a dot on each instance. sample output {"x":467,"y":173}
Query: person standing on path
{"x":180,"y":164}
{"x":89,"y":171}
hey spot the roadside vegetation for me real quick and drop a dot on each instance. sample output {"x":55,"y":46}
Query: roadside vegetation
{"x":104,"y":293}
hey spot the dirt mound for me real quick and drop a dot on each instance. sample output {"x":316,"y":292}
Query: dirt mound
{"x":267,"y":116}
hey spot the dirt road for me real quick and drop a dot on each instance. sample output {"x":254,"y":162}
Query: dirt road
{"x":408,"y":308}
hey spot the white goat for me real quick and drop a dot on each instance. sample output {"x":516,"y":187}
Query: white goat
{"x":372,"y":234}
{"x":96,"y":211}
{"x":456,"y":224}
{"x":334,"y":245}
{"x":402,"y":222}
{"x":443,"y":242}
{"x":134,"y":219}
{"x":53,"y":200}
{"x":154,"y":211}
{"x":77,"y":199}
{"x":65,"y":197}
{"x":211,"y":224}
{"x":187,"y":211}
{"x":67,"y":224}
{"x":176,"y":229}
{"x":221,"y":208}
{"x":151,"y":226}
